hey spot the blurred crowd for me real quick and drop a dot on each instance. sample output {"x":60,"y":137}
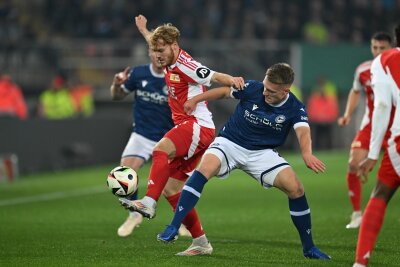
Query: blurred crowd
{"x":316,"y":20}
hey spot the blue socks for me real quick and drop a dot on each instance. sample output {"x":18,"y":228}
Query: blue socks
{"x":191,"y":193}
{"x":300,"y":213}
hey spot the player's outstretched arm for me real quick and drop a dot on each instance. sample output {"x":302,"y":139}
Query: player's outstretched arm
{"x":352,"y":103}
{"x":116,"y":91}
{"x":304,"y":137}
{"x":212,"y":94}
{"x":228,"y":80}
{"x":141,"y":24}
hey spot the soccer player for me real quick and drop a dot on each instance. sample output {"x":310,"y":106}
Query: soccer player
{"x":380,"y":42}
{"x":152,"y":119}
{"x":385,"y":71}
{"x":261,"y":122}
{"x":178,"y":152}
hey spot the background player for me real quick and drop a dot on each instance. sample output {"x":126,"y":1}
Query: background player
{"x":385,"y":72}
{"x":179,"y":151}
{"x":261,"y":122}
{"x":380,"y":42}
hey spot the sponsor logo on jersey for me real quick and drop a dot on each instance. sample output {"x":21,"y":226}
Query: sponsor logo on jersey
{"x":174,"y":77}
{"x":203,"y":72}
{"x":254,"y":107}
{"x":280,"y":119}
{"x":154,"y":97}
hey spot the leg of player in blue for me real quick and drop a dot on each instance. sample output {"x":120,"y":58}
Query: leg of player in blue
{"x":191,"y":193}
{"x":301,"y":217}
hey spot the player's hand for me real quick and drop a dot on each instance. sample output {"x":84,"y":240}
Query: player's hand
{"x":189,"y":106}
{"x":121,"y":77}
{"x":237,"y":83}
{"x":141,"y":23}
{"x":364,"y":168}
{"x":313,"y":163}
{"x":343,"y":121}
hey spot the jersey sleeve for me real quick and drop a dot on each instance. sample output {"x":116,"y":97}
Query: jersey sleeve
{"x":129,"y":85}
{"x":301,"y":118}
{"x":197,"y":72}
{"x":245,"y":92}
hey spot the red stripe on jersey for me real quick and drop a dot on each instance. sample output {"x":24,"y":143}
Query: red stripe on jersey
{"x":187,"y":64}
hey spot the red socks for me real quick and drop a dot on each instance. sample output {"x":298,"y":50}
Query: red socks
{"x":159,"y":174}
{"x":371,"y":224}
{"x":354,"y":188}
{"x":191,"y":220}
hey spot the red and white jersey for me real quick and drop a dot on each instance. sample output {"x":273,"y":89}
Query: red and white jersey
{"x":385,"y":80}
{"x":362,"y":81}
{"x":186,"y":79}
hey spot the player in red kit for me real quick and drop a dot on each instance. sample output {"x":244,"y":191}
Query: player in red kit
{"x":380,"y":42}
{"x":385,"y":71}
{"x":176,"y":155}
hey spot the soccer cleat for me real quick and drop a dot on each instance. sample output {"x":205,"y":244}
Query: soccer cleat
{"x":183,"y":231}
{"x":169,"y":235}
{"x":148,"y":211}
{"x":197,"y":250}
{"x":133,"y":220}
{"x":315,"y":253}
{"x":358,"y":265}
{"x":355,"y":221}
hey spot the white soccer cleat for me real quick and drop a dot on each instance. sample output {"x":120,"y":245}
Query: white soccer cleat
{"x":358,"y":265}
{"x":196,"y":250}
{"x":146,"y":206}
{"x":134,"y":220}
{"x":355,"y":222}
{"x":183,"y":231}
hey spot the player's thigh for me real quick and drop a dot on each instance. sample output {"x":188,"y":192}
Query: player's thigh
{"x":286,"y":180}
{"x":166,"y":145}
{"x":223,"y":156}
{"x":134,"y":162}
{"x":138,"y":146}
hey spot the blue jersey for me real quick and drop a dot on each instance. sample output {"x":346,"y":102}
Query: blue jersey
{"x":257,"y":125}
{"x":152,"y":116}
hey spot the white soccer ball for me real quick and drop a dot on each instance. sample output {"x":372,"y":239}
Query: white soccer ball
{"x":122,"y":181}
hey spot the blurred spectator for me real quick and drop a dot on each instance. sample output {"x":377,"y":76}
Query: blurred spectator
{"x":315,"y":31}
{"x":12,"y":103}
{"x":297,"y":92}
{"x":56,"y":102}
{"x":323,"y":110}
{"x":82,"y":96}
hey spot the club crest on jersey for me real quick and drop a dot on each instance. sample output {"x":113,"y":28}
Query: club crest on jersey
{"x":254,"y":107}
{"x":280,"y":119}
{"x":203,"y":72}
{"x":174,"y":77}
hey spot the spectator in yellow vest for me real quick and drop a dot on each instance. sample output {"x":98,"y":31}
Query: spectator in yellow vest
{"x":56,"y":102}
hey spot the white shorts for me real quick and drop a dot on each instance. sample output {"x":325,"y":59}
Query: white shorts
{"x":263,"y":165}
{"x":138,"y":146}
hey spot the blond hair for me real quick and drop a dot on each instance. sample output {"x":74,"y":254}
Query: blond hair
{"x":280,"y":73}
{"x":167,"y":33}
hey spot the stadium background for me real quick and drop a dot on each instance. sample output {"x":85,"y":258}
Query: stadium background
{"x":59,"y":212}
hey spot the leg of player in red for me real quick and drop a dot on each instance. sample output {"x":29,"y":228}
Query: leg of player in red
{"x":357,"y":154}
{"x":387,"y":184}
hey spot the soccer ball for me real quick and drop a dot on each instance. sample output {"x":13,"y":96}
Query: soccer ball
{"x":122,"y":181}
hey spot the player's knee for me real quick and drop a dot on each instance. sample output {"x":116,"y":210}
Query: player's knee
{"x":296,"y":192}
{"x":353,"y":166}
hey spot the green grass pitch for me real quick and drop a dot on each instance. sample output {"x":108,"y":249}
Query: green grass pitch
{"x":70,"y":219}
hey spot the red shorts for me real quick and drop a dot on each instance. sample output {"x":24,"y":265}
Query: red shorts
{"x":363,"y":137}
{"x":387,"y":174}
{"x":191,"y":141}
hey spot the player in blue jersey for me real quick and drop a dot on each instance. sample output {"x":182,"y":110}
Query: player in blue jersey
{"x":261,"y":122}
{"x":152,"y":119}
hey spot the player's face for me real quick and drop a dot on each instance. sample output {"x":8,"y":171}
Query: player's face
{"x":164,"y":53}
{"x":378,"y":47}
{"x":274,"y":93}
{"x":154,"y":59}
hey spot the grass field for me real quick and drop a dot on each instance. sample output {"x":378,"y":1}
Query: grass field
{"x":70,"y":219}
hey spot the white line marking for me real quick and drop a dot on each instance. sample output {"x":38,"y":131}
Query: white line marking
{"x":52,"y":196}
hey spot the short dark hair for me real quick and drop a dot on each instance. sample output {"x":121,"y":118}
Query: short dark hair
{"x":382,"y":36}
{"x":280,"y":73}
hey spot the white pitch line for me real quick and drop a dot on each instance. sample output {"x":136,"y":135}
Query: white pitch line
{"x":52,"y":196}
